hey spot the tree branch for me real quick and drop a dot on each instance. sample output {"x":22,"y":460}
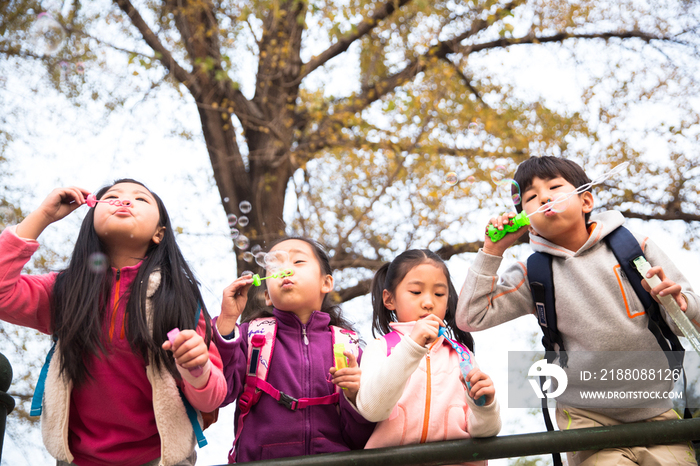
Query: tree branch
{"x":686,"y":217}
{"x":152,"y":40}
{"x":343,"y":44}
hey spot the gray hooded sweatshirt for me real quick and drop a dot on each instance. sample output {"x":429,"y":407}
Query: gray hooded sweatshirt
{"x":597,"y":310}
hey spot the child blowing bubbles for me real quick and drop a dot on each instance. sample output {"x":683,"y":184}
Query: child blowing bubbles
{"x":415,"y":389}
{"x":301,"y":366}
{"x":111,"y":391}
{"x":596,"y":309}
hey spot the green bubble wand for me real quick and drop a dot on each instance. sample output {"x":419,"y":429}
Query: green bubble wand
{"x":557,"y":205}
{"x":257,"y":279}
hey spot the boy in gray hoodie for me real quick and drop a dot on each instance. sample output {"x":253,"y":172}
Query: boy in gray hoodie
{"x":596,"y":308}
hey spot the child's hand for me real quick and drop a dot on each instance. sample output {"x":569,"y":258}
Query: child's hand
{"x":233,"y":303}
{"x":666,"y":287}
{"x":189,"y":349}
{"x":426,"y":329}
{"x":59,"y":203}
{"x":348,"y":377}
{"x":499,"y":247}
{"x":482,"y":385}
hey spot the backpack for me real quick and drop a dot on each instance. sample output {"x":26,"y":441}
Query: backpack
{"x":261,"y":344}
{"x":38,"y":397}
{"x":625,"y":248}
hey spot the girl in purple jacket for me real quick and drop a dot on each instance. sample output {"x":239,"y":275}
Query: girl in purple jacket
{"x":302,"y":365}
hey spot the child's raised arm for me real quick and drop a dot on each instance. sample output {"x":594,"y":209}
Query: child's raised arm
{"x":232,"y":304}
{"x":59,"y":203}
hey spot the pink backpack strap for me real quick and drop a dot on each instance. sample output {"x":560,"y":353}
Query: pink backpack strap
{"x":392,"y":339}
{"x":261,"y":343}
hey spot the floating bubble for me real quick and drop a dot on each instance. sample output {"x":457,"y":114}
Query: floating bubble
{"x":245,"y":206}
{"x":471,"y":179}
{"x":232,"y":220}
{"x":260,"y":258}
{"x":451,"y":178}
{"x":79,"y":68}
{"x":226,"y":199}
{"x":248,"y":256}
{"x":242,"y":221}
{"x":498,"y":174}
{"x":234,"y":233}
{"x":246,"y":273}
{"x":46,"y":35}
{"x":242,"y":242}
{"x":256,"y":249}
{"x":98,"y":262}
{"x":473,"y":127}
{"x":560,"y":203}
{"x":276,"y":259}
{"x":510,"y":189}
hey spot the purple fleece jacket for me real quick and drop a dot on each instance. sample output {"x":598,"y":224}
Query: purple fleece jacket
{"x":273,"y":431}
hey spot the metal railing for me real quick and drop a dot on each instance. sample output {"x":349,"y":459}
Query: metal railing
{"x":7,"y":403}
{"x":507,"y":446}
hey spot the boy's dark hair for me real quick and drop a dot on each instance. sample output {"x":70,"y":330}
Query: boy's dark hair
{"x":546,"y":168}
{"x":328,"y":306}
{"x":392,"y":273}
{"x":80,"y":299}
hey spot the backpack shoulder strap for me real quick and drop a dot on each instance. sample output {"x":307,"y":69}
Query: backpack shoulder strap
{"x":539,"y":274}
{"x":392,"y":339}
{"x":626,"y":249}
{"x":261,"y":343}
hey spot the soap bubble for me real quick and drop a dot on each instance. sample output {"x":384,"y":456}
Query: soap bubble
{"x":509,"y":189}
{"x":451,"y":178}
{"x":471,"y":179}
{"x":276,"y":259}
{"x":248,"y":256}
{"x":560,"y":203}
{"x":256,"y":249}
{"x":246,"y":273}
{"x":242,"y":221}
{"x":260,"y":258}
{"x":79,"y":68}
{"x":98,"y":262}
{"x":498,"y":174}
{"x":234,"y":233}
{"x":232,"y":220}
{"x":245,"y":206}
{"x":226,"y":199}
{"x":46,"y":35}
{"x":473,"y":127}
{"x":242,"y":242}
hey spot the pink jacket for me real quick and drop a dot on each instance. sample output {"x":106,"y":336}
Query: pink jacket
{"x":416,"y":396}
{"x":160,"y":425}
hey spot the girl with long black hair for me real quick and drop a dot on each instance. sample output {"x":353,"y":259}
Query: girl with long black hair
{"x":114,"y":383}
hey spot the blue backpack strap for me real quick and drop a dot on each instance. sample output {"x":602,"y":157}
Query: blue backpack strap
{"x":191,"y":412}
{"x":539,"y":274}
{"x":541,"y":279}
{"x":38,"y":397}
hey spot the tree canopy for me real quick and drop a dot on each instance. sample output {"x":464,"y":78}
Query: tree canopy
{"x":358,"y":111}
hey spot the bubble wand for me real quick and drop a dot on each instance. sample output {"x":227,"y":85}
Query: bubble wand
{"x":522,"y":219}
{"x":257,"y":279}
{"x":92,"y":201}
{"x":465,"y":365}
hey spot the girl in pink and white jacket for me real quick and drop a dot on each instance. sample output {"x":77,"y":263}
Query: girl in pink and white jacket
{"x":114,"y":383}
{"x":411,"y":382}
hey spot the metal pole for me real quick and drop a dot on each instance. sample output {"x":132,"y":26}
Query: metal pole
{"x":7,"y":403}
{"x":460,"y":451}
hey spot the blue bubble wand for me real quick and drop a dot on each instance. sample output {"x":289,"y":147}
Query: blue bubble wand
{"x":465,"y":365}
